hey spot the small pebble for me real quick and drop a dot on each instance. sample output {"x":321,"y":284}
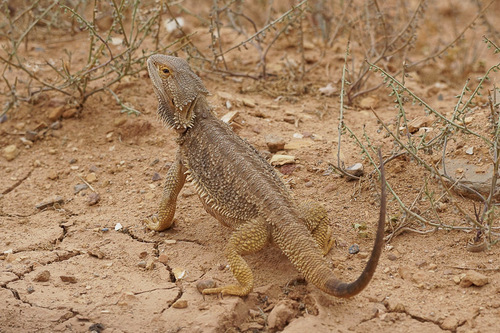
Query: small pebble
{"x":355,"y":170}
{"x":93,"y":198}
{"x":31,"y":135}
{"x":43,"y":276}
{"x":30,"y":290}
{"x":392,"y":257}
{"x":142,"y":264}
{"x":68,"y":278}
{"x":205,"y":284}
{"x":10,"y":152}
{"x":274,"y":143}
{"x":180,"y":304}
{"x":91,"y":177}
{"x":80,"y":187}
{"x":55,"y":125}
{"x":179,"y":273}
{"x":156,"y":177}
{"x":353,"y":249}
{"x":163,"y":258}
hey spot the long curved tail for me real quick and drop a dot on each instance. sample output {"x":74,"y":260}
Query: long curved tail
{"x":303,"y":251}
{"x":338,"y":288}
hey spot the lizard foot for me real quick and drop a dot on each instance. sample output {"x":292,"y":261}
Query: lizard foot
{"x":233,"y":289}
{"x":154,"y":223}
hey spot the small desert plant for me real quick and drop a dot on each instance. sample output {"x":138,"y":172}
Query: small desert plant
{"x":117,"y":35}
{"x":420,"y":146}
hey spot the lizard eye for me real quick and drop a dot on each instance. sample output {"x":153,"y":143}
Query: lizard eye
{"x":164,"y":70}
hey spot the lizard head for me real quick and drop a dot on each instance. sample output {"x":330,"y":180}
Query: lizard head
{"x":177,"y":88}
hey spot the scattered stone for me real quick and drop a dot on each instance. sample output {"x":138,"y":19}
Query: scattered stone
{"x":69,"y":113}
{"x":96,"y":252}
{"x":118,"y":227}
{"x":476,"y":177}
{"x":179,"y":273}
{"x":97,"y":328}
{"x":53,"y":175}
{"x":468,"y":120}
{"x":229,"y":117}
{"x":156,"y":177}
{"x":73,"y":161}
{"x":248,"y":102}
{"x":91,"y":177}
{"x":43,"y":276}
{"x":205,"y":284}
{"x":281,"y":314}
{"x":31,"y":135}
{"x":119,"y":122}
{"x":10,"y":152}
{"x":55,"y":200}
{"x":274,"y":143}
{"x":473,"y":278}
{"x":149,"y":196}
{"x":355,"y":170}
{"x":55,"y":126}
{"x":353,"y":249}
{"x":142,"y":264}
{"x":180,"y":304}
{"x":369,"y":102}
{"x":288,"y":169}
{"x":441,"y":207}
{"x":392,"y":257}
{"x":80,"y":187}
{"x":68,"y":278}
{"x":163,"y":258}
{"x":93,"y":198}
{"x":56,"y":113}
{"x":328,"y":90}
{"x":330,"y":187}
{"x":470,"y":151}
{"x":26,"y":142}
{"x":30,"y":290}
{"x":282,"y":159}
{"x":394,"y":305}
{"x":417,"y":123}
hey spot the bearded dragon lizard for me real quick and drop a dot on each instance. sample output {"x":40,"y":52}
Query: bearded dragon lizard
{"x":242,"y":190}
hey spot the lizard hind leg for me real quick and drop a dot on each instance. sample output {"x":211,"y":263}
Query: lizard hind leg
{"x":247,"y":238}
{"x":317,"y":222}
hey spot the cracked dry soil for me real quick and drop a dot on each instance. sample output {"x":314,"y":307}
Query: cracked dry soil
{"x":64,"y":268}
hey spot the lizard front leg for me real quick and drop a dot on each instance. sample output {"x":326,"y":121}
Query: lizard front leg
{"x":174,"y":182}
{"x":248,"y":238}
